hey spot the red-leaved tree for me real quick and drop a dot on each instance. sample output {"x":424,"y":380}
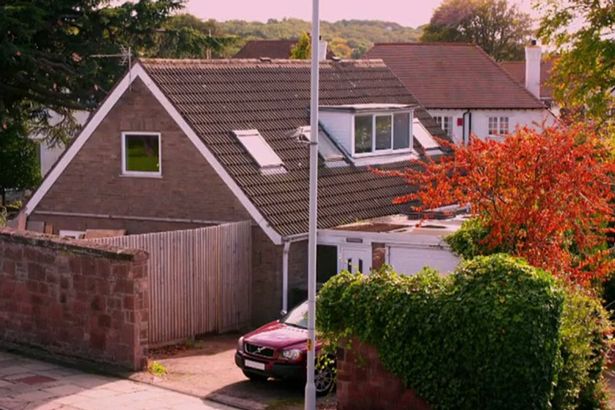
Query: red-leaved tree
{"x":545,"y":196}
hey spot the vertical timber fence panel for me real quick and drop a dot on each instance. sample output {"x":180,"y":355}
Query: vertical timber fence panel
{"x":199,"y":279}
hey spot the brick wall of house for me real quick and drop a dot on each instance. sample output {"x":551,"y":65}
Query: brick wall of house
{"x":92,"y":183}
{"x":72,"y":298}
{"x":266,"y":278}
{"x":363,"y":383}
{"x":297,"y":272}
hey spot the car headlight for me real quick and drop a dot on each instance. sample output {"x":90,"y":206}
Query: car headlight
{"x":240,"y":344}
{"x":291,"y":354}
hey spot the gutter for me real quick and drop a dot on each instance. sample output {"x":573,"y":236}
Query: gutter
{"x":285,"y":252}
{"x":466,"y":136}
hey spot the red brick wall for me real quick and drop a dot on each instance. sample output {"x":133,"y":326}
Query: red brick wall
{"x":362,"y":383}
{"x":72,"y":298}
{"x":92,"y":183}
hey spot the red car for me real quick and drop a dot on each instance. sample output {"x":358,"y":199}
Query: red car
{"x":278,"y":350}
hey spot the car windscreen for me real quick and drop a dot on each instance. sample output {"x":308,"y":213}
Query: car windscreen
{"x":297,"y":317}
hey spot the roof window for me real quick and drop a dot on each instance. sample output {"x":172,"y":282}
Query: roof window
{"x":260,"y":151}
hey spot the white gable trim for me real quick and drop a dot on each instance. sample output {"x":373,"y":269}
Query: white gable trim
{"x":138,"y":71}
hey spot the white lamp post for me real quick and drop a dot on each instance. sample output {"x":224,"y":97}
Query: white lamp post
{"x":310,"y":388}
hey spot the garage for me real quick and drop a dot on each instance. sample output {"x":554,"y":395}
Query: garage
{"x":405,"y":243}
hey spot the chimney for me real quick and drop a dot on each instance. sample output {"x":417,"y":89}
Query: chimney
{"x":322,"y":50}
{"x":533,"y":55}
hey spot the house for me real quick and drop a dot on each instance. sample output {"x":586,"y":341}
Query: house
{"x":50,"y":152}
{"x":181,"y":144}
{"x":534,"y":74}
{"x":276,"y":49}
{"x":463,"y":88}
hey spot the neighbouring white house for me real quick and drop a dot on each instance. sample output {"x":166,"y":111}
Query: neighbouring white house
{"x":464,"y":89}
{"x":50,"y":152}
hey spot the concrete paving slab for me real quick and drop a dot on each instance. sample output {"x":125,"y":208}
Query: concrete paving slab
{"x":64,"y":390}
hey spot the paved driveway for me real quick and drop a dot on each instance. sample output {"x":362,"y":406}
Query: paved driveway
{"x":208,"y":370}
{"x":31,"y":384}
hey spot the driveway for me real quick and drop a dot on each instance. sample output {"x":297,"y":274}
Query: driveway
{"x":31,"y":384}
{"x":207,"y":369}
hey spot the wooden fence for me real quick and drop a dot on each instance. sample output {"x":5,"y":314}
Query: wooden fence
{"x":199,"y":280}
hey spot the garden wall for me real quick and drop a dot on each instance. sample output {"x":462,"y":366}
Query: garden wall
{"x":363,"y":383}
{"x":73,"y":298}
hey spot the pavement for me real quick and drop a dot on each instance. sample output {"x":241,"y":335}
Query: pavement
{"x":31,"y":384}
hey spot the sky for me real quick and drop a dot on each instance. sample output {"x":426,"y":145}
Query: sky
{"x":411,"y":13}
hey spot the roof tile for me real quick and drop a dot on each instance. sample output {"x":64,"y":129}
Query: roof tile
{"x":218,"y":96}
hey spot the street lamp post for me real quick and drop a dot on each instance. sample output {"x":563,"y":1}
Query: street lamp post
{"x":310,"y":388}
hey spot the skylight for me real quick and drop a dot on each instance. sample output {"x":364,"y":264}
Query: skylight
{"x":266,"y":158}
{"x":423,"y":136}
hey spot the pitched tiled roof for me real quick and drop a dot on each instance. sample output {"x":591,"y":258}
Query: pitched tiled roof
{"x":453,"y":75}
{"x":516,"y":69}
{"x":279,"y":49}
{"x":218,"y":96}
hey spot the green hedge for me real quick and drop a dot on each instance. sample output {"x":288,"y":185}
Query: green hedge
{"x":497,"y":334}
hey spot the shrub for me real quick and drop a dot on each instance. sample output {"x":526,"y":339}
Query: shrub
{"x":583,"y":351}
{"x":468,"y":240}
{"x":497,"y":334}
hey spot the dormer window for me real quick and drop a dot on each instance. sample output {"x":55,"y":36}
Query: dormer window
{"x":370,"y":134}
{"x":381,"y":133}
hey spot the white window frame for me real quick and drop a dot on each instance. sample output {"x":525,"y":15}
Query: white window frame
{"x":503,"y":131}
{"x":377,"y":152}
{"x":493,"y":124}
{"x":498,"y":122}
{"x":441,"y":120}
{"x":143,"y":174}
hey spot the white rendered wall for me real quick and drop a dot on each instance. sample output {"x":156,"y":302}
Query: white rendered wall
{"x":339,"y":126}
{"x":480,"y":120}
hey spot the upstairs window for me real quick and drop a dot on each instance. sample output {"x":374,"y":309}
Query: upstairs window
{"x":363,"y":129}
{"x":446,"y":123}
{"x":141,"y":154}
{"x":381,"y":133}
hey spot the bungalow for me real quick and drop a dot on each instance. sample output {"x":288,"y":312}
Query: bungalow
{"x":463,"y":88}
{"x":182,"y":144}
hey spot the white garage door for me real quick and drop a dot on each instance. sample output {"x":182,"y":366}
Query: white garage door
{"x":408,"y":260}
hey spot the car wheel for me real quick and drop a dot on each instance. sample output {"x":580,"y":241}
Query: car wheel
{"x":324,"y":379}
{"x":255,"y":377}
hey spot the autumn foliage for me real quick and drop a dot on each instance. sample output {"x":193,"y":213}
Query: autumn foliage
{"x":545,"y":196}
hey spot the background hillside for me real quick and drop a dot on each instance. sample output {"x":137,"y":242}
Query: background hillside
{"x":347,"y":38}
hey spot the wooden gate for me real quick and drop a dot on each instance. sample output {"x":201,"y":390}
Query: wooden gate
{"x":199,"y":280}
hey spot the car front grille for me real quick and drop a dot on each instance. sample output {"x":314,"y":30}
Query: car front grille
{"x":256,"y":350}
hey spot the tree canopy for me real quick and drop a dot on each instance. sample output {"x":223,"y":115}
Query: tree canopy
{"x":583,"y":34}
{"x":545,"y":196}
{"x":499,"y":28}
{"x":48,"y":53}
{"x":303,"y":49}
{"x":19,"y":159}
{"x":187,"y":36}
{"x":347,"y":38}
